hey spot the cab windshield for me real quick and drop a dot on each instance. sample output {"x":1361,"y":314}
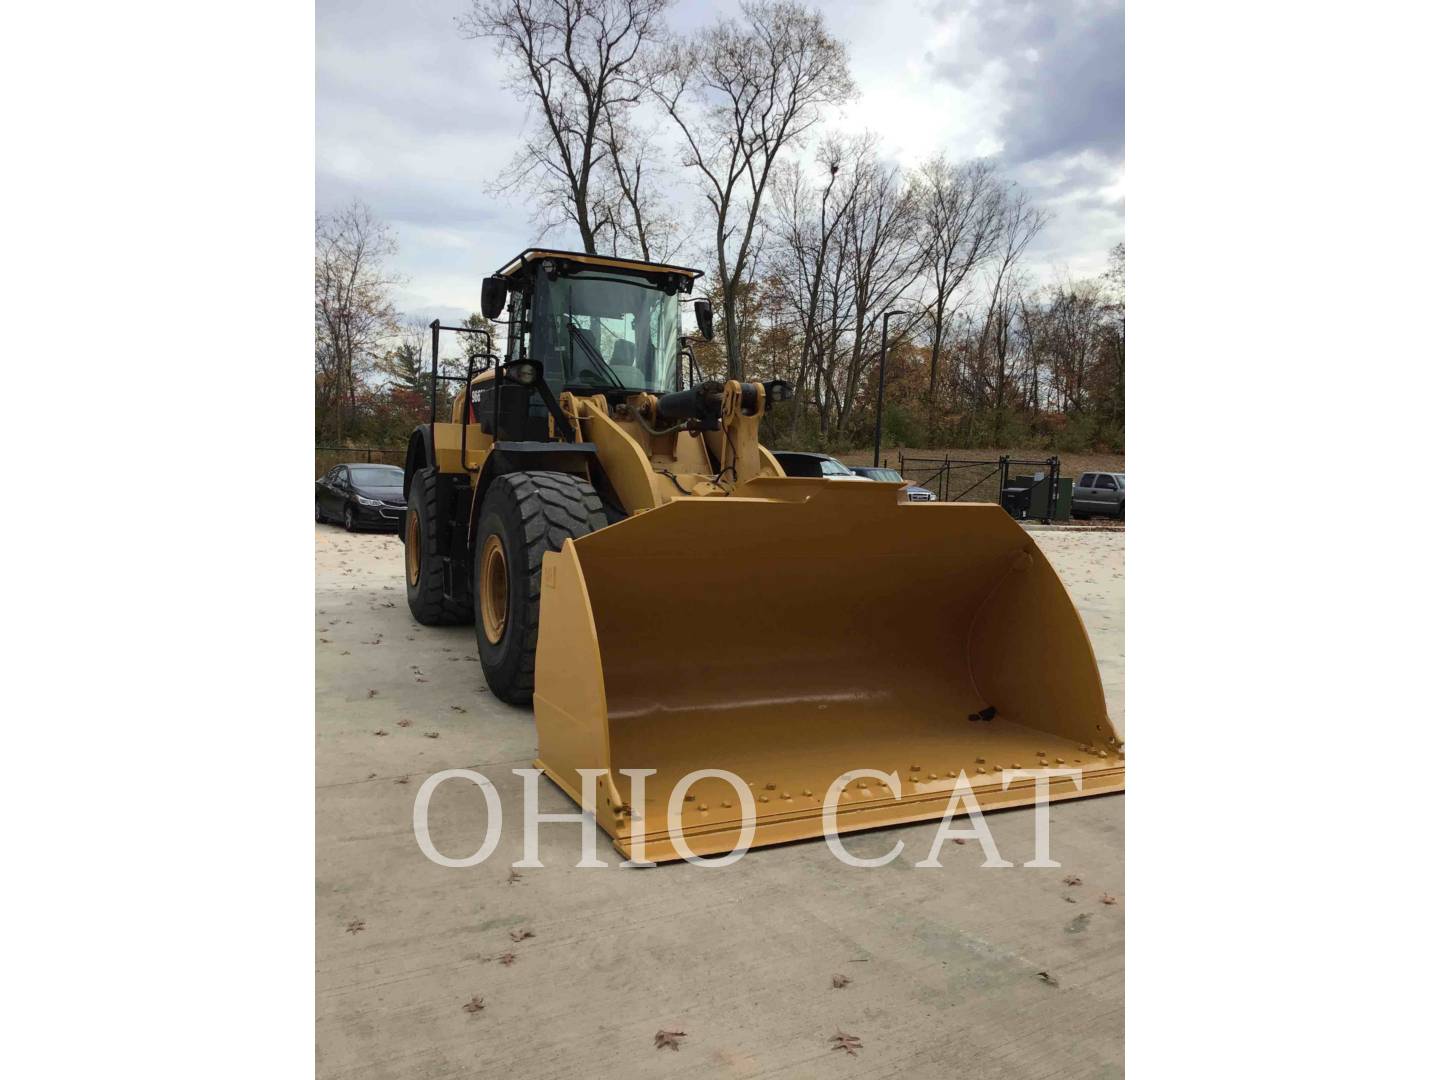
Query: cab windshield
{"x":596,"y":330}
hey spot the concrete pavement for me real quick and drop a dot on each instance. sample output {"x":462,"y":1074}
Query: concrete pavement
{"x":943,"y":963}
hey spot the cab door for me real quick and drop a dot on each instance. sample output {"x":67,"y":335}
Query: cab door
{"x":1107,"y":493}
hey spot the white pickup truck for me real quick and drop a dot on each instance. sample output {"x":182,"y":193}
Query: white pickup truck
{"x":1099,"y":493}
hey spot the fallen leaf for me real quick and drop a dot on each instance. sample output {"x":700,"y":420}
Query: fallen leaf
{"x":513,"y":878}
{"x":382,"y":731}
{"x":1071,"y":900}
{"x":355,"y":926}
{"x":457,"y":708}
{"x":1073,"y":880}
{"x":1078,"y":923}
{"x":403,"y":723}
{"x":1046,"y":977}
{"x":848,"y":1043}
{"x":668,"y":1038}
{"x":402,"y":779}
{"x":959,"y":839}
{"x":371,"y":693}
{"x":506,"y":959}
{"x":521,"y":935}
{"x":475,"y":1004}
{"x":1106,"y":898}
{"x":372,"y":776}
{"x":432,"y":734}
{"x":839,"y":982}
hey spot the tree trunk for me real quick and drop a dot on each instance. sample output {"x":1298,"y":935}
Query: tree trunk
{"x":732,"y":335}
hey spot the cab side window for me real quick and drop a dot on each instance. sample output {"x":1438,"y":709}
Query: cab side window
{"x":1088,"y":480}
{"x":1106,"y":483}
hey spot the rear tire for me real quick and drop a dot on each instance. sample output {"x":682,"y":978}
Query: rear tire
{"x":525,"y":514}
{"x":424,"y":567}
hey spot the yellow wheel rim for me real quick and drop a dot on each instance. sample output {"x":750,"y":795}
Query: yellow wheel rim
{"x":494,"y":589}
{"x":412,"y":547}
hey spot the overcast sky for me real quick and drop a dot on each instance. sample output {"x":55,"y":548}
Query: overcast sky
{"x":415,"y":121}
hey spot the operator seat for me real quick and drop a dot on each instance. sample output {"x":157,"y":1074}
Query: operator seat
{"x":622,"y":362}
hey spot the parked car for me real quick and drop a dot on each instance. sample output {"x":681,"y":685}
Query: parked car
{"x":361,"y":495}
{"x":913,"y":492}
{"x":796,"y":463}
{"x":1099,"y":493}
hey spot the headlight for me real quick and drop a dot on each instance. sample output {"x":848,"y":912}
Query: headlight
{"x":363,"y":501}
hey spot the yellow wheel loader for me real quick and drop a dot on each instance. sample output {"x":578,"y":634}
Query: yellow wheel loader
{"x":638,"y":566}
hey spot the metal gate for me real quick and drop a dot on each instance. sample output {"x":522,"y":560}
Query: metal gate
{"x":968,"y":480}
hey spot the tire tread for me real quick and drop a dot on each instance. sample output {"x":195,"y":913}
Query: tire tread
{"x":552,"y":507}
{"x":428,"y":602}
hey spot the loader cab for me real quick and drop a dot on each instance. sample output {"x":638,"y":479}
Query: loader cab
{"x":597,"y":325}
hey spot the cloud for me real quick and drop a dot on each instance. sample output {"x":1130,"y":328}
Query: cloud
{"x":1060,"y":65}
{"x":418,"y":122}
{"x":1053,"y":75}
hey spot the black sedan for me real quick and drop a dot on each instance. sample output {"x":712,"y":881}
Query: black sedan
{"x":361,"y":496}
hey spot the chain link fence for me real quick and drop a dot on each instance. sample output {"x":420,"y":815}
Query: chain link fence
{"x":1026,"y":488}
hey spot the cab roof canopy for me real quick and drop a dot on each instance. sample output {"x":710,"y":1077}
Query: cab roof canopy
{"x":516,"y":266}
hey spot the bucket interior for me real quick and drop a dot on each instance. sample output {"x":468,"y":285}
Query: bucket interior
{"x":790,"y":642}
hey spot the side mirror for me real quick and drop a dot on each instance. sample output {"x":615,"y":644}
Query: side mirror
{"x":705,"y":319}
{"x":776,"y":391}
{"x":493,"y":294}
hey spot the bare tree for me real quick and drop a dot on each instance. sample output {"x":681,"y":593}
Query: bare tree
{"x":578,"y":61}
{"x":962,"y":208}
{"x":353,"y":312}
{"x":806,"y":230}
{"x":641,"y":224}
{"x":1018,"y":223}
{"x":884,"y":262}
{"x":740,"y":94}
{"x":1069,"y":326}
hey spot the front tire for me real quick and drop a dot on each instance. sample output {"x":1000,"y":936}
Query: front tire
{"x":424,"y":565}
{"x":349,"y":518}
{"x":525,"y":514}
{"x":319,"y":514}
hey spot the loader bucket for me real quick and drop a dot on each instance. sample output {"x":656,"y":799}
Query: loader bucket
{"x":801,"y":629}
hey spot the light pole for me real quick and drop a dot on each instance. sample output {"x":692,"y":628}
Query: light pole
{"x":880,"y":397}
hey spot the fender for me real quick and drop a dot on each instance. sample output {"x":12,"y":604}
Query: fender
{"x":419,"y":454}
{"x":509,"y":457}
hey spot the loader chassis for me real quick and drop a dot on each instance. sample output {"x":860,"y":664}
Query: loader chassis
{"x":637,"y":566}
